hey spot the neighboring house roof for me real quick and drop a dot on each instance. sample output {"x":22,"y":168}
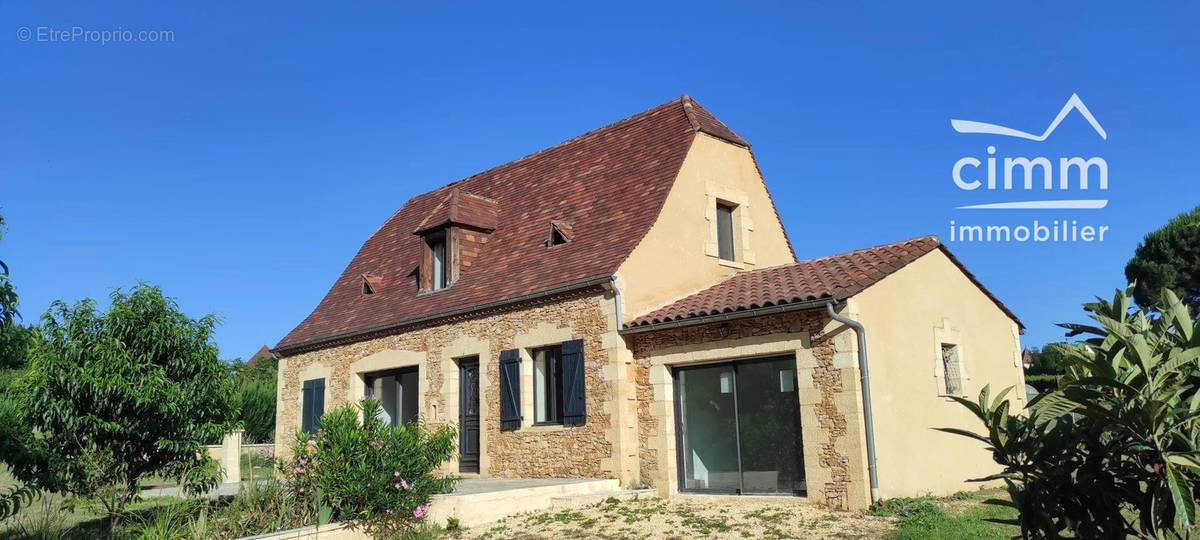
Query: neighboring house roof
{"x":263,"y":352}
{"x":835,"y":278}
{"x":608,"y":185}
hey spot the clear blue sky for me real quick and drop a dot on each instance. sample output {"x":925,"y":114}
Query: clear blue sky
{"x":241,"y":165}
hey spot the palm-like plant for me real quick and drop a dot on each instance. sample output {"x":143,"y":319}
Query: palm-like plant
{"x":1115,"y":450}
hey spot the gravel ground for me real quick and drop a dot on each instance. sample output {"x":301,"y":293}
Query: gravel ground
{"x":688,"y":517}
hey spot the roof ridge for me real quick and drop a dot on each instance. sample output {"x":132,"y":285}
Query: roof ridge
{"x":624,"y":122}
{"x":689,"y":111}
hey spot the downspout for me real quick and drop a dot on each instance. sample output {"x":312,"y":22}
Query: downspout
{"x":868,"y":417}
{"x":612,"y":283}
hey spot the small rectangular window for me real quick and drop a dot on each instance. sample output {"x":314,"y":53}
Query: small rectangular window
{"x":548,"y":385}
{"x":951,"y":370}
{"x":437,"y":248}
{"x":397,"y":392}
{"x":725,"y":232}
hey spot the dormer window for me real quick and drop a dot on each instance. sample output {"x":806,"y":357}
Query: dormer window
{"x":452,"y":236}
{"x":438,"y":267}
{"x":370,"y":283}
{"x":560,"y":233}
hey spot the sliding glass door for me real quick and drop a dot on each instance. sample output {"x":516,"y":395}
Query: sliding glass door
{"x":738,"y":427}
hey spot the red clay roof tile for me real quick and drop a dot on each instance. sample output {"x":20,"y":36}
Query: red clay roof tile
{"x":609,"y":184}
{"x":836,"y":278}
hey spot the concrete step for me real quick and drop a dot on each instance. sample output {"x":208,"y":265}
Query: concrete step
{"x":486,"y":500}
{"x":580,"y":500}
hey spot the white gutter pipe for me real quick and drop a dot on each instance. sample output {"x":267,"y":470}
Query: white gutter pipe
{"x":612,"y":283}
{"x":868,"y":417}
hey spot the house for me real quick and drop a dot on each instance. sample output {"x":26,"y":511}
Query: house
{"x":626,"y":304}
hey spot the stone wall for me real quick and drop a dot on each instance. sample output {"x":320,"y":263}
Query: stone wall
{"x":531,"y":451}
{"x":827,"y":393}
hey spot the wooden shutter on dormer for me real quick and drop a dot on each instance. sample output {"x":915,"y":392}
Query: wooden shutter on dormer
{"x":574,"y":391}
{"x":510,"y":389}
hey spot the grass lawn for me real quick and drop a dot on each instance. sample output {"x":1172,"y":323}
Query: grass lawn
{"x":959,"y":516}
{"x":48,"y":518}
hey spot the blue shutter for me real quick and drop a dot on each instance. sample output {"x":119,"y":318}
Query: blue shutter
{"x":318,"y":403}
{"x":313,"y":404}
{"x":306,"y":416}
{"x":510,"y":389}
{"x":574,"y":392}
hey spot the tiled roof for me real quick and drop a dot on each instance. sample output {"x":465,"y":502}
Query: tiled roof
{"x":836,"y":278}
{"x":608,"y":185}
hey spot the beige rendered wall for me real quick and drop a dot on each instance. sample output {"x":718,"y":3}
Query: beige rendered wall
{"x":678,"y":256}
{"x":907,"y":316}
{"x":593,"y":450}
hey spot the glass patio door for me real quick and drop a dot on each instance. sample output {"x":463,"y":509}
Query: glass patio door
{"x":738,"y":427}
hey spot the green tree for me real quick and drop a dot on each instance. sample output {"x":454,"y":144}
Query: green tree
{"x":1115,"y":450}
{"x":254,"y":397}
{"x":1168,"y":258}
{"x":114,"y":396}
{"x":13,"y":337}
{"x":1049,"y":360}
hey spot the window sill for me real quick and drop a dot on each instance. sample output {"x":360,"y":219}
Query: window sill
{"x":731,"y":264}
{"x":434,"y":291}
{"x":544,"y":428}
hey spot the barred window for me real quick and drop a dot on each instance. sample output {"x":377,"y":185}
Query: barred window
{"x":952,"y":369}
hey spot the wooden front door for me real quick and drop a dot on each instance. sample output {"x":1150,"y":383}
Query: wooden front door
{"x":468,"y":415}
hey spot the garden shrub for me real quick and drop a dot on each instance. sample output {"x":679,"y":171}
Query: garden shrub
{"x":376,"y":476}
{"x":1114,"y":450}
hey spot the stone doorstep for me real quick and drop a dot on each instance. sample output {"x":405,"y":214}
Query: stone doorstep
{"x":571,"y":502}
{"x":476,"y":509}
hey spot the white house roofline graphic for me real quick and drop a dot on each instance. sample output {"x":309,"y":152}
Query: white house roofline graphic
{"x":971,"y":126}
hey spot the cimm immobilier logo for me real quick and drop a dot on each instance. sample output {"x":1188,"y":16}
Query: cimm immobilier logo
{"x":1072,"y":176}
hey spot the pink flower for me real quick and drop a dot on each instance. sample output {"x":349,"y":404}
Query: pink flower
{"x":420,"y":511}
{"x":389,"y":510}
{"x":298,"y":470}
{"x":303,"y":461}
{"x":404,"y":484}
{"x":396,"y":474}
{"x":301,"y":490}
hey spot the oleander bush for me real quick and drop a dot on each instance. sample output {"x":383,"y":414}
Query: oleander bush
{"x":374,"y":475}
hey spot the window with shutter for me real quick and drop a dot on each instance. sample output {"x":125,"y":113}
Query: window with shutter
{"x":510,"y":389}
{"x":574,"y":391}
{"x":547,"y":385}
{"x":313,"y":404}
